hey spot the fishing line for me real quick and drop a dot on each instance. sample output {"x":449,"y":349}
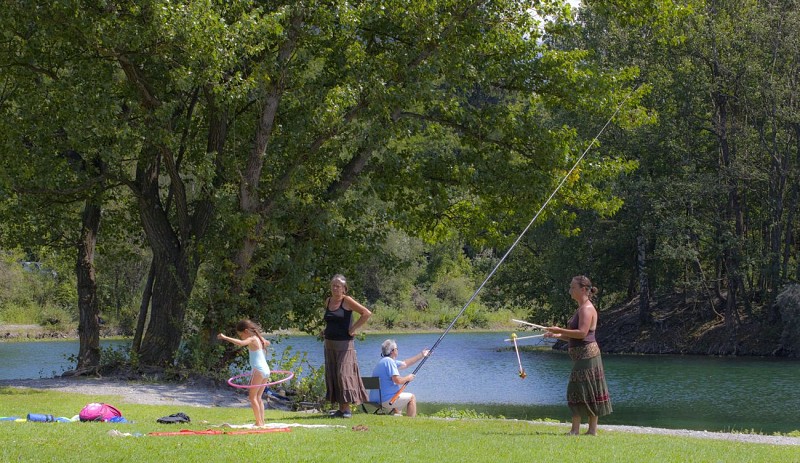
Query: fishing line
{"x":519,"y":238}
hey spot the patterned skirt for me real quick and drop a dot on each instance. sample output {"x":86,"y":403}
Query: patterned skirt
{"x":587,"y":391}
{"x":342,"y":377}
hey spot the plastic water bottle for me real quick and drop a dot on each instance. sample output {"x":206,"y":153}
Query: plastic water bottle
{"x":40,"y":417}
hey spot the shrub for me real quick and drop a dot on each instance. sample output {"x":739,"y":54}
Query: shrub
{"x":384,"y":316}
{"x":304,"y":388}
{"x":18,"y":314}
{"x":476,"y":316}
{"x":453,"y":290}
{"x":54,"y":318}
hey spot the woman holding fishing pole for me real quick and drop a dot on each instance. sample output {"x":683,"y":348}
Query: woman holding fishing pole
{"x":342,"y":377}
{"x":587,"y":392}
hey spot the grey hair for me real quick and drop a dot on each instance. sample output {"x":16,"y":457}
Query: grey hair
{"x":341,"y":279}
{"x":387,"y":347}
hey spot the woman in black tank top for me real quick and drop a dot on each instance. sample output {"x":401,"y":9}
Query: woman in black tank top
{"x":342,"y":376}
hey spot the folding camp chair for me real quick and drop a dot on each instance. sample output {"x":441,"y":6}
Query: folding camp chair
{"x":373,"y":382}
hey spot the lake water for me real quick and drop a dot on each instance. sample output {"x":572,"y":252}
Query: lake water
{"x":479,"y":372}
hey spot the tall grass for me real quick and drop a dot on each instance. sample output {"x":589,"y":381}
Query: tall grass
{"x":421,"y":439}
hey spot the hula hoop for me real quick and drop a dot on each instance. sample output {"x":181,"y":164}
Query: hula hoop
{"x":289,"y":375}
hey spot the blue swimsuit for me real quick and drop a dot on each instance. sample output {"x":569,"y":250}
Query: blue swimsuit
{"x":258,"y":361}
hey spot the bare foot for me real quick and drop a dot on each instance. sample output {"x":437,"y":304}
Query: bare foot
{"x":572,"y":433}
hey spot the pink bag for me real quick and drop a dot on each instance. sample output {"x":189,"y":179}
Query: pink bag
{"x":98,"y":412}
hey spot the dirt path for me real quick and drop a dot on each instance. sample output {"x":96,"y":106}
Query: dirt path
{"x":136,"y":392}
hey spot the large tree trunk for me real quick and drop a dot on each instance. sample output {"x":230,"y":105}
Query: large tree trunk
{"x":144,"y":305}
{"x":88,"y":308}
{"x":172,"y":286}
{"x":174,"y":270}
{"x":174,"y":230}
{"x":175,"y":262}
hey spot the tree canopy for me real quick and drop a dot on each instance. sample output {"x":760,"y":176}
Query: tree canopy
{"x":261,"y":147}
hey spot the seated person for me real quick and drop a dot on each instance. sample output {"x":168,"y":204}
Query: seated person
{"x":391,"y":381}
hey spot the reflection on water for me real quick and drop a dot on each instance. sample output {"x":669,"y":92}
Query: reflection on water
{"x":478,"y":371}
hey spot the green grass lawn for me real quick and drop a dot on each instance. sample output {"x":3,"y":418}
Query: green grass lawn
{"x":388,"y":439}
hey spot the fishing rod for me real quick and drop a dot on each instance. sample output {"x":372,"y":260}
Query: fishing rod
{"x":519,"y":238}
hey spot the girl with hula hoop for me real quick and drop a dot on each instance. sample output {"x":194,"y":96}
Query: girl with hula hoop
{"x":250,"y":336}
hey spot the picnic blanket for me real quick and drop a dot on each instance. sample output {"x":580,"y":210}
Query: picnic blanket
{"x":217,"y":432}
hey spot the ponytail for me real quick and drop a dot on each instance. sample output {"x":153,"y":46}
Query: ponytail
{"x":245,"y":325}
{"x":585,"y":282}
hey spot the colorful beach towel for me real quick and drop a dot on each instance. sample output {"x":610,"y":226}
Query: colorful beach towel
{"x":217,"y":432}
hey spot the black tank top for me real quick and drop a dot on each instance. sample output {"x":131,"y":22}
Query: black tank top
{"x":337,"y":323}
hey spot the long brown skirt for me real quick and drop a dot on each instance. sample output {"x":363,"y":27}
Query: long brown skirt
{"x":587,"y":391}
{"x":342,"y":378}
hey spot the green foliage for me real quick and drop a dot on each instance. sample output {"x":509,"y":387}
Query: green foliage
{"x":264,"y":147}
{"x":121,"y":263}
{"x":710,"y":85}
{"x":389,"y":318}
{"x":452,"y":290}
{"x":113,"y":358}
{"x":475,"y":316}
{"x":34,"y":293}
{"x":308,"y":384}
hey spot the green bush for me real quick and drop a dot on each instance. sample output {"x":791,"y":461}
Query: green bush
{"x":384,"y":316}
{"x":19,"y":314}
{"x":36,"y":295}
{"x":55,"y":318}
{"x":453,"y":290}
{"x":476,"y":316}
{"x":308,"y":384}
